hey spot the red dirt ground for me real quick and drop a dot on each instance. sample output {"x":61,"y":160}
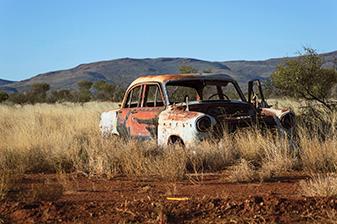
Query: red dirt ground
{"x":48,"y":198}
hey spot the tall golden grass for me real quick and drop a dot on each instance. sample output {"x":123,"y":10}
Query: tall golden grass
{"x":65,"y":138}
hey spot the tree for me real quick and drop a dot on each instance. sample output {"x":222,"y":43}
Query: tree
{"x":185,"y":69}
{"x":40,"y":87}
{"x":18,"y":98}
{"x":38,"y":93}
{"x":304,"y":77}
{"x":118,"y":94}
{"x":62,"y":95}
{"x":104,"y":90}
{"x":3,"y":96}
{"x":84,"y":85}
{"x":269,"y":90}
{"x":84,"y":90}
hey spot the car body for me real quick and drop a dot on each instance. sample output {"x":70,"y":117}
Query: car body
{"x":189,"y":108}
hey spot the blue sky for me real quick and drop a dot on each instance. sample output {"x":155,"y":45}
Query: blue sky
{"x":38,"y":36}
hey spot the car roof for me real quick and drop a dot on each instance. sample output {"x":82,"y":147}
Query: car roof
{"x":164,"y":78}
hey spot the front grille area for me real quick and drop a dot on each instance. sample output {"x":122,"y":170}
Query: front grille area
{"x":230,"y":125}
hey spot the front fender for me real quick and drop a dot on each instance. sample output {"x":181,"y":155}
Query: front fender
{"x":182,"y":124}
{"x":284,"y":118}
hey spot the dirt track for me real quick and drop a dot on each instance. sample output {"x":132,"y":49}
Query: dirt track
{"x":48,"y":198}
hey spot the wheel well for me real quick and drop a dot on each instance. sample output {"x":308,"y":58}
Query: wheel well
{"x":174,"y":139}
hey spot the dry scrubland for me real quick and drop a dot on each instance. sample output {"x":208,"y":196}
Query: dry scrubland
{"x":65,"y":138}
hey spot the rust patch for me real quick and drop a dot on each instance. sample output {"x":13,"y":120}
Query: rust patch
{"x":267,"y":113}
{"x":182,"y":116}
{"x":139,"y":122}
{"x":176,"y":77}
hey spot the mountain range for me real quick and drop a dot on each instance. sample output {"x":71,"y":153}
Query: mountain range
{"x":123,"y":71}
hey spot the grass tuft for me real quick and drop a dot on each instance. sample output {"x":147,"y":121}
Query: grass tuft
{"x":320,"y":185}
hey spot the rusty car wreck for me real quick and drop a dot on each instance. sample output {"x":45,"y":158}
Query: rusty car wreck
{"x":189,"y":108}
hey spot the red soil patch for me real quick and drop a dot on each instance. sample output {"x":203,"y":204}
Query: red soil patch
{"x":47,"y":199}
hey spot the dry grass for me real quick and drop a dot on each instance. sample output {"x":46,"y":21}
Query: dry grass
{"x":40,"y":138}
{"x":65,"y":138}
{"x":242,"y":172}
{"x":317,"y":133}
{"x":287,"y":103}
{"x":320,"y":185}
{"x":269,"y":155}
{"x":318,"y":156}
{"x":277,"y":158}
{"x":208,"y":156}
{"x":112,"y":157}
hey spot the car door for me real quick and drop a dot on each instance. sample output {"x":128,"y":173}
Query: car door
{"x":141,"y":111}
{"x":131,"y":104}
{"x":256,"y":98}
{"x":255,"y":94}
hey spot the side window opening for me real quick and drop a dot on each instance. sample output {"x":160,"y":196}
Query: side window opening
{"x":153,"y":97}
{"x":134,"y":97}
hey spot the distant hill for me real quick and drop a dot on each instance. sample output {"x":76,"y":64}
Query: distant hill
{"x":4,"y":82}
{"x":5,"y":88}
{"x":246,"y":70}
{"x":119,"y":71}
{"x":123,"y":71}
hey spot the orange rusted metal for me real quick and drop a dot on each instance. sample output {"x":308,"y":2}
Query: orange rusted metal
{"x":176,"y":77}
{"x":182,"y":115}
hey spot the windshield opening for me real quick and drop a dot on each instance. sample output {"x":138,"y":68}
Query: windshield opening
{"x":200,"y":90}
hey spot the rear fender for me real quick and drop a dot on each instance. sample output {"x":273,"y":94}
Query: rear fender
{"x":108,"y":123}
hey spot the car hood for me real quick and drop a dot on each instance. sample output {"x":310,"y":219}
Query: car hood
{"x":220,"y":108}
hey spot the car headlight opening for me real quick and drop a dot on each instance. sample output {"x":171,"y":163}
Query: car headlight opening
{"x":204,"y":124}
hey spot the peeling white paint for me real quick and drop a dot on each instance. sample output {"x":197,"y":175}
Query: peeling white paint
{"x":185,"y":129}
{"x":108,"y":123}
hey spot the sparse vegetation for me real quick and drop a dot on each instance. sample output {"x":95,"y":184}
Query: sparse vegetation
{"x":186,"y":69}
{"x":3,"y":96}
{"x":87,"y":91}
{"x":304,"y":77}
